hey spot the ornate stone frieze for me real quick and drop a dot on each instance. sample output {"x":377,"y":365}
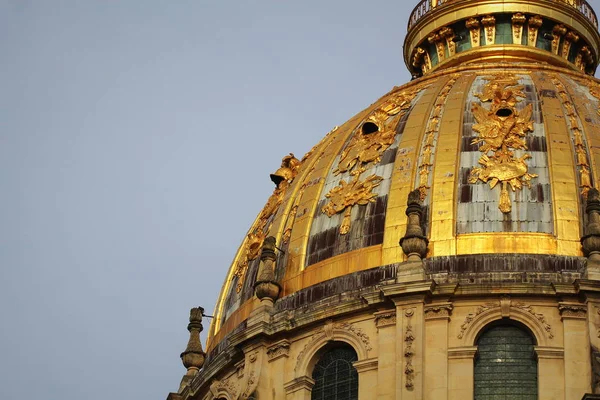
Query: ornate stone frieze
{"x":573,"y":310}
{"x":409,"y":338}
{"x":438,"y":311}
{"x":471,"y":316}
{"x":329,"y":331}
{"x":540,"y":317}
{"x":502,"y":130}
{"x":385,"y":318}
{"x":225,"y":386}
{"x":278,"y":350}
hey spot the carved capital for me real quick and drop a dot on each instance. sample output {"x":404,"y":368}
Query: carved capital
{"x":303,"y":383}
{"x":385,"y":318}
{"x":278,"y":350}
{"x":438,"y":311}
{"x":549,"y":352}
{"x":572,"y":310}
{"x":467,"y":353}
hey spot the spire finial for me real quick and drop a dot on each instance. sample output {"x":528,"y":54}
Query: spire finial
{"x":193,"y":357}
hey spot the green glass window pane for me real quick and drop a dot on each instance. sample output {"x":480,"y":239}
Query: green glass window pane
{"x":505,"y":367}
{"x":335,"y":376}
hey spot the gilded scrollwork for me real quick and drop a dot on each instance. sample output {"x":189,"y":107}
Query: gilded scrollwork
{"x":581,"y":153}
{"x":282,"y":178}
{"x":431,"y":134}
{"x":502,"y":130}
{"x":356,"y":192}
{"x":376,"y":134}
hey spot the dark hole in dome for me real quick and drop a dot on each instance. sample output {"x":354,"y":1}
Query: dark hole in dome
{"x":369,"y":127}
{"x":504,"y":112}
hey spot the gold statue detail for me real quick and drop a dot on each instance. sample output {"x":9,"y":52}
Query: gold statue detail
{"x":502,"y":129}
{"x":347,"y":195}
{"x":375,"y":135}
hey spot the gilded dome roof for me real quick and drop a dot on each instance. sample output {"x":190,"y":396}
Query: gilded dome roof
{"x":502,"y":149}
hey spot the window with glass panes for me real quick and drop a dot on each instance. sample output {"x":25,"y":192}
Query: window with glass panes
{"x":506,"y":366}
{"x":334,"y":375}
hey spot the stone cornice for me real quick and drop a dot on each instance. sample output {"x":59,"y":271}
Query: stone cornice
{"x":366,"y":365}
{"x":462,"y":352}
{"x":302,"y":383}
{"x":549,"y":352}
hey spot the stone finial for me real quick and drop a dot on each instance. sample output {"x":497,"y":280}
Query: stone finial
{"x":591,"y":239}
{"x":414,"y":243}
{"x":193,"y":357}
{"x":266,"y":287}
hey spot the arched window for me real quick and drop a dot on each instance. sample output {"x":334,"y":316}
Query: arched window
{"x":334,"y":375}
{"x":506,"y":366}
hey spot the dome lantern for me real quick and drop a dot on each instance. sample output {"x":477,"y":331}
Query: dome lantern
{"x":455,"y":32}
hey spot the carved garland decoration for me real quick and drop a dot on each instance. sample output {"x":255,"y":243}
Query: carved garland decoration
{"x":366,"y":147}
{"x":581,"y":154}
{"x":328,"y":331}
{"x":409,"y":353}
{"x":505,"y":302}
{"x":502,"y":130}
{"x":431,"y":134}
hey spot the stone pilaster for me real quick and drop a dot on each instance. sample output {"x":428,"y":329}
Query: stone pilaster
{"x":385,"y":321}
{"x":437,"y":316}
{"x":577,"y":349}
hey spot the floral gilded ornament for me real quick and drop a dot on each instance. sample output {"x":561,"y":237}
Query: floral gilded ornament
{"x":254,"y":241}
{"x":347,"y":195}
{"x":502,"y":130}
{"x":376,"y":134}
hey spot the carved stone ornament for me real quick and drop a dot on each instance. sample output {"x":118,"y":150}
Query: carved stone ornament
{"x":278,"y":350}
{"x":385,"y":318}
{"x":438,"y":311}
{"x":595,"y":370}
{"x":471,"y":316}
{"x":328,"y":331}
{"x":502,"y":130}
{"x":409,"y":353}
{"x":218,"y":388}
{"x":573,"y":310}
{"x":540,"y":317}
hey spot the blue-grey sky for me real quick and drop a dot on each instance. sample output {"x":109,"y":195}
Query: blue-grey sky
{"x":136,"y":142}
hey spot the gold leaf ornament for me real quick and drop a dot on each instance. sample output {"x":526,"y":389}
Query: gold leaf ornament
{"x":502,"y":130}
{"x":348,"y":194}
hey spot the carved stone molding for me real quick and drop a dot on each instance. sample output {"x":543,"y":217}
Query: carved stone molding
{"x":409,"y":353}
{"x":335,"y":331}
{"x":540,"y":317}
{"x":458,"y":353}
{"x":506,"y":306}
{"x":471,"y":316}
{"x":366,"y":365}
{"x":385,"y":318}
{"x":438,"y":311}
{"x":301,"y":383}
{"x":572,"y":310}
{"x":278,"y":350}
{"x":224,"y":388}
{"x":549,"y":352}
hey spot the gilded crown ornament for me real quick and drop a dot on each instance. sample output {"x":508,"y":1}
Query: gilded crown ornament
{"x":502,"y":130}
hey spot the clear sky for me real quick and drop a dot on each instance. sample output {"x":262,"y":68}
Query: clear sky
{"x":136,"y":142}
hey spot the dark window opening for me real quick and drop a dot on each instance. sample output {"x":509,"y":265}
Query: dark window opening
{"x":335,"y":376}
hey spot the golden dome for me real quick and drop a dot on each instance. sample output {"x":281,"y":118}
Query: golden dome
{"x":500,"y":135}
